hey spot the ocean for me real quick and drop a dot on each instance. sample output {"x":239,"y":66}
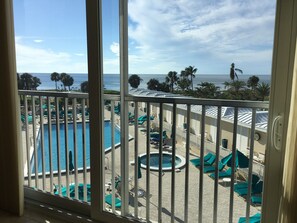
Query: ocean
{"x":112,"y":81}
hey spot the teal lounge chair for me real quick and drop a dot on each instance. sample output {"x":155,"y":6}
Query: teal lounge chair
{"x":222,"y":174}
{"x":141,"y":122}
{"x":209,"y":169}
{"x":196,"y":161}
{"x":256,"y":189}
{"x":209,"y":162}
{"x":256,"y":200}
{"x":255,"y":179}
{"x":80,"y":188}
{"x":108,"y":200}
{"x":253,"y":219}
{"x":157,"y":134}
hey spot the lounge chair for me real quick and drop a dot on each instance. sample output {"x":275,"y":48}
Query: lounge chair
{"x":80,"y":188}
{"x":222,"y":174}
{"x":209,"y":162}
{"x":157,"y":134}
{"x":108,"y":200}
{"x":256,"y":189}
{"x":256,"y":200}
{"x":156,"y":138}
{"x":141,"y":122}
{"x":255,"y":179}
{"x":256,"y":218}
{"x":209,"y":169}
{"x":196,"y":161}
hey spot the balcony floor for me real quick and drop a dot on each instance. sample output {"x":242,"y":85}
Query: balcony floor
{"x":30,"y":216}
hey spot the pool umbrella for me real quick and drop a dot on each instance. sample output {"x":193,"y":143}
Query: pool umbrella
{"x":241,"y":160}
{"x":139,"y":168}
{"x":71,"y":166}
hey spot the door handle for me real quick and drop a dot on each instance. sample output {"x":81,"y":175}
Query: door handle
{"x":276,"y":132}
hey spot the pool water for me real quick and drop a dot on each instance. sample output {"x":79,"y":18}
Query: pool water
{"x":166,"y":161}
{"x":79,"y":145}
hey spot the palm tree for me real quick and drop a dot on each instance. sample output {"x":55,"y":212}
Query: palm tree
{"x":63,"y":77}
{"x":68,"y":81}
{"x":27,"y":81}
{"x":183,"y":84}
{"x":134,"y":81}
{"x":35,"y":83}
{"x":171,"y":79}
{"x":191,"y":71}
{"x":233,"y":73}
{"x":84,"y":86}
{"x":153,"y":84}
{"x":55,"y":77}
{"x":263,"y":90}
{"x":207,"y":90}
{"x":234,"y":89}
{"x":253,"y":82}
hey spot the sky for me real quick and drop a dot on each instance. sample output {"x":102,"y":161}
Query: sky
{"x":164,"y":36}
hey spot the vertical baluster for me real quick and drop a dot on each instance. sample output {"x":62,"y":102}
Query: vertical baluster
{"x":67,"y":164}
{"x":136,"y":159}
{"x":49,"y":125}
{"x":248,"y":203}
{"x":160,"y":163}
{"x":84,"y":150}
{"x":112,"y":158}
{"x":173,"y":164}
{"x":42,"y":143}
{"x":35,"y":143}
{"x":28,"y":146}
{"x":187,"y":164}
{"x":233,"y":165}
{"x":58,"y":143}
{"x":216,"y":181}
{"x":75,"y":147}
{"x":148,"y":162}
{"x":201,"y":164}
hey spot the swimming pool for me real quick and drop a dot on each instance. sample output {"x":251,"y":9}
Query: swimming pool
{"x":166,"y":161}
{"x":79,"y":143}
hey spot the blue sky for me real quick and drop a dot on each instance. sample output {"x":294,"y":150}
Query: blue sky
{"x":163,"y":36}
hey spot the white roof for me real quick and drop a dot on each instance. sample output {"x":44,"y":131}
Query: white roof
{"x":244,"y":114}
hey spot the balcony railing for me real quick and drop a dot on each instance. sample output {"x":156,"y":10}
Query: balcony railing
{"x":162,"y":131}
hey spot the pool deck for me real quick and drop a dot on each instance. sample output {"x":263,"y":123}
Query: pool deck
{"x":193,"y":185}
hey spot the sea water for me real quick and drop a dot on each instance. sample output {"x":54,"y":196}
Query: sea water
{"x":112,"y":81}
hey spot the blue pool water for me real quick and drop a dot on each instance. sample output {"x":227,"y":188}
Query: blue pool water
{"x":154,"y":160}
{"x":79,"y":143}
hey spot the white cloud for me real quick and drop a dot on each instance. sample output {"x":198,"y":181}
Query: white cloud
{"x":184,"y":32}
{"x":38,"y":40}
{"x":115,"y":48}
{"x":36,"y":59}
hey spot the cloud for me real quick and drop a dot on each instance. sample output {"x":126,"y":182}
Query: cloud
{"x":36,"y":59}
{"x":183,"y":33}
{"x":38,"y":40}
{"x":115,"y":48}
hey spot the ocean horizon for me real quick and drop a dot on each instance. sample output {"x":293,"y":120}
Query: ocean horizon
{"x":112,"y":81}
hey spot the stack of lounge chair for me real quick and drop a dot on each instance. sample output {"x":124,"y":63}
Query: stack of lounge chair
{"x":256,"y":218}
{"x":222,"y":174}
{"x":155,"y":136}
{"x":143,"y":118}
{"x":209,"y":159}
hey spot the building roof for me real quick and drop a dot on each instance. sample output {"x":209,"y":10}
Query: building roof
{"x":244,"y":114}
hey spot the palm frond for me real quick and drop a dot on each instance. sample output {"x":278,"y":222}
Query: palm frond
{"x":239,"y":70}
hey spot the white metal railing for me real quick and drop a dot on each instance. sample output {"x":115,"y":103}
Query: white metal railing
{"x":48,"y":110}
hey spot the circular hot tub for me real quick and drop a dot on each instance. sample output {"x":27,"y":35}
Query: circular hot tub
{"x":166,"y":161}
